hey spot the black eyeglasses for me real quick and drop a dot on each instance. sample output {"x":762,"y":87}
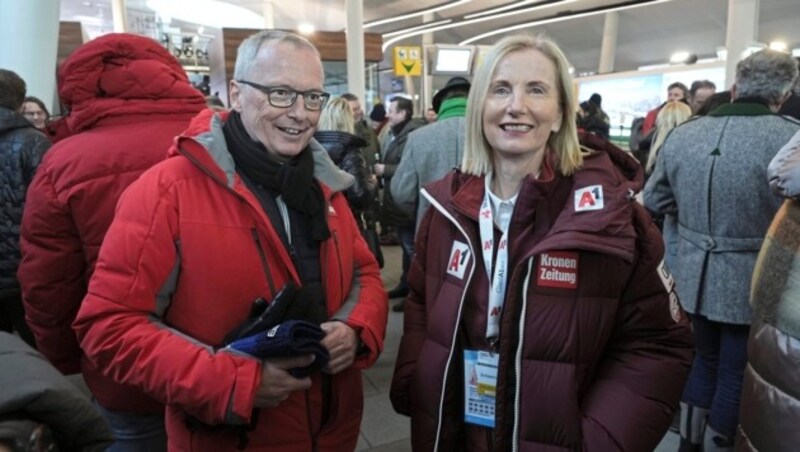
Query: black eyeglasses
{"x":283,"y":97}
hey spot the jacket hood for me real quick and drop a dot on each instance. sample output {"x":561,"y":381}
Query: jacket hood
{"x":10,"y":120}
{"x":212,"y":153}
{"x":339,"y":143}
{"x":121,"y":74}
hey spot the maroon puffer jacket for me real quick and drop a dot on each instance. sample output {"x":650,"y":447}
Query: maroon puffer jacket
{"x":127,"y":98}
{"x":597,"y":364}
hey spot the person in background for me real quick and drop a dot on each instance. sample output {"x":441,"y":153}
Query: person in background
{"x":335,"y":133}
{"x":21,"y":149}
{"x":711,"y":176}
{"x":432,"y":151}
{"x":675,"y":91}
{"x":673,"y":114}
{"x":715,"y":101}
{"x":513,"y":258}
{"x":402,"y":124}
{"x":430,"y":115}
{"x":592,"y":118}
{"x":377,"y":118}
{"x":700,"y":91}
{"x":363,"y":130}
{"x":40,"y":409}
{"x":34,"y":110}
{"x":128,"y":98}
{"x":770,"y":406}
{"x":246,"y":204}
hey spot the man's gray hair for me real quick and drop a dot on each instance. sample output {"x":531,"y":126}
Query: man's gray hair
{"x":766,"y":74}
{"x":248,"y":49}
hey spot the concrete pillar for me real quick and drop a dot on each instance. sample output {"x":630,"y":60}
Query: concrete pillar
{"x":426,"y":99}
{"x":29,"y":44}
{"x":268,"y":11}
{"x":742,"y":31}
{"x":355,"y":48}
{"x":119,"y":13}
{"x":609,"y":46}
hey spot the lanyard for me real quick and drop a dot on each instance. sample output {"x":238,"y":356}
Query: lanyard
{"x":497,"y":273}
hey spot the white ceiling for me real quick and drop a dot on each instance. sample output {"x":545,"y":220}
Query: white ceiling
{"x":647,"y":35}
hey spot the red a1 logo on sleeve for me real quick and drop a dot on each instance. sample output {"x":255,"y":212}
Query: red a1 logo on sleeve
{"x":459,"y":258}
{"x":589,"y":198}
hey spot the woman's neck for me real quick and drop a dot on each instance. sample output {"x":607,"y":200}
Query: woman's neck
{"x":508,"y":173}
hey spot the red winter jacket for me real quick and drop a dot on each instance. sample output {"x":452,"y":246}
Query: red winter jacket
{"x":189,"y":250}
{"x":597,"y":364}
{"x":128,"y":98}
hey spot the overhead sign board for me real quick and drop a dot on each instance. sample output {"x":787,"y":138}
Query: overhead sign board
{"x":408,"y":60}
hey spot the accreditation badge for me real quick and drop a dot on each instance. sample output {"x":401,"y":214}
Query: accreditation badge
{"x":480,"y":387}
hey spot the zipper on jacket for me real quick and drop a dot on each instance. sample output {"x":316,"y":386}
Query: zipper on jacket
{"x":518,"y":358}
{"x":458,"y":226}
{"x":314,"y":439}
{"x":263,"y":258}
{"x":287,"y":226}
{"x":339,"y":261}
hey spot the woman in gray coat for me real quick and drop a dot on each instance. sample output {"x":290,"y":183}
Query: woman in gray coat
{"x":711,"y":175}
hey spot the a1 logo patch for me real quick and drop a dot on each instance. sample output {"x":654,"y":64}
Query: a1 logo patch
{"x":459,"y":259}
{"x":589,"y":198}
{"x":558,"y":269}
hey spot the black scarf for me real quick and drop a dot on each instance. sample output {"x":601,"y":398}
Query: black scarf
{"x":292,"y":180}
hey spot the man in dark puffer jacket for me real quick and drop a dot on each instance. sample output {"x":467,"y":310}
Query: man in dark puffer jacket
{"x":21,"y":150}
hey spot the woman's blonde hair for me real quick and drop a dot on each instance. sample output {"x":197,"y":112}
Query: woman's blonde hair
{"x":337,"y":115}
{"x":672,"y":114}
{"x":477,"y":151}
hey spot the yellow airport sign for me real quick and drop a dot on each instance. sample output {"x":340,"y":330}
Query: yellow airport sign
{"x":407,"y":60}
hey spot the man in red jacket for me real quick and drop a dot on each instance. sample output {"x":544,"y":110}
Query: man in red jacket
{"x":127,"y":99}
{"x":246,"y":204}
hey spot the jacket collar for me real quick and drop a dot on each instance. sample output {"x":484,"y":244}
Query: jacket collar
{"x":548,"y":201}
{"x":453,"y":108}
{"x":742,"y":109}
{"x":213,"y":155}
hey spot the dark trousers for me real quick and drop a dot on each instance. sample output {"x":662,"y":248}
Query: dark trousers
{"x":12,"y":318}
{"x":405,"y":234}
{"x":715,"y":381}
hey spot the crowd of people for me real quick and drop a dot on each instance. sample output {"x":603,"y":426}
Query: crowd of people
{"x":213,"y":272}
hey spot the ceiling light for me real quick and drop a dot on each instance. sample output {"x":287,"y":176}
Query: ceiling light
{"x":501,"y":8}
{"x":306,"y":28}
{"x":207,"y":12}
{"x":418,"y":27}
{"x":722,"y":53}
{"x":415,"y":14}
{"x":780,"y":46}
{"x":413,"y":31}
{"x":679,"y":57}
{"x":796,"y":52}
{"x":558,"y":18}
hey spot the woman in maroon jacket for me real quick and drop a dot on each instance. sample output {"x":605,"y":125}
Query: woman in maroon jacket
{"x":541,"y":317}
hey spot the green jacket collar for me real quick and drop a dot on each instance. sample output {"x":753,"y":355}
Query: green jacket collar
{"x":452,"y":108}
{"x":742,"y":109}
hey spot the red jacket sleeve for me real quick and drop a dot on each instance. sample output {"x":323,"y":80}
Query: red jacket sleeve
{"x":119,"y":327}
{"x":640,"y":379}
{"x":51,"y":272}
{"x":366,"y":307}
